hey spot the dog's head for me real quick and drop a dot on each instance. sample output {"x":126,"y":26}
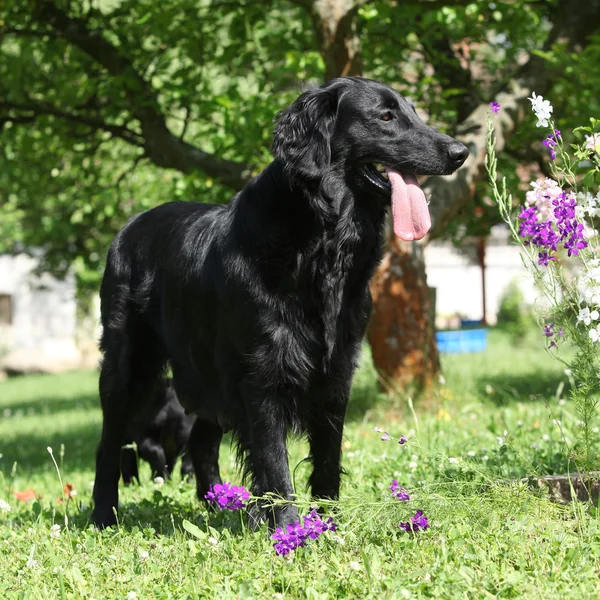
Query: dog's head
{"x":372,"y":135}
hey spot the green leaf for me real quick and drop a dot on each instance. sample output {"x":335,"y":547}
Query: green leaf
{"x":194,"y":530}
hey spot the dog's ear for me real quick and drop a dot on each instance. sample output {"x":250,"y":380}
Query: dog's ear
{"x":303,"y":133}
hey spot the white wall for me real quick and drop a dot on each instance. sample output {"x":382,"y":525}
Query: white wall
{"x":44,"y":318}
{"x":458,"y":281}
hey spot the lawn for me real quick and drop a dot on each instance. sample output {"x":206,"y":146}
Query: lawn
{"x":489,"y":424}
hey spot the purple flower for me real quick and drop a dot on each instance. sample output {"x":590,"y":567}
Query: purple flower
{"x":419,"y":521}
{"x":402,"y":440}
{"x":398,"y":491}
{"x":385,"y":437}
{"x":551,"y":221}
{"x":549,"y":332}
{"x":495,"y":107}
{"x":227,"y":496}
{"x":550,"y":142}
{"x":293,"y":537}
{"x":296,"y":535}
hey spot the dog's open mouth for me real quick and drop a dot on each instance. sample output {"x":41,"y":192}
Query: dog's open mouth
{"x":409,"y":205}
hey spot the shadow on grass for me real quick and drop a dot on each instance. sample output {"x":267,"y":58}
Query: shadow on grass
{"x":31,"y":454}
{"x":49,"y":405}
{"x":162,"y":513}
{"x":506,"y":388}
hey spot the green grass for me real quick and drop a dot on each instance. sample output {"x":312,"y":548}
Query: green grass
{"x":491,"y":537}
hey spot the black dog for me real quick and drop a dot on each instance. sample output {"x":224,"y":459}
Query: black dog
{"x":161,"y":431}
{"x":260,"y":306}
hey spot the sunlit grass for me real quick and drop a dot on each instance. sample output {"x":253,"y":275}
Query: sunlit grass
{"x":469,"y":447}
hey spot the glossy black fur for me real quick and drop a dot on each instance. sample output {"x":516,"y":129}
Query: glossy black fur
{"x":161,"y":432}
{"x":260,"y":306}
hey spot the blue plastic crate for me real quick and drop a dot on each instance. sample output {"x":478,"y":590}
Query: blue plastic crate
{"x":462,"y":340}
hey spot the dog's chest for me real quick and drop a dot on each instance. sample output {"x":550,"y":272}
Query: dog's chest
{"x":312,"y":331}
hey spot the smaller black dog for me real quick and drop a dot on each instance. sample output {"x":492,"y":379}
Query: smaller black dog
{"x":161,"y":433}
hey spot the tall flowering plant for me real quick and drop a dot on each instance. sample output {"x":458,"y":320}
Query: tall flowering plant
{"x":557,"y":229}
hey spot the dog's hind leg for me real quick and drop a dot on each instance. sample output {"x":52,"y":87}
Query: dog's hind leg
{"x":154,"y":454}
{"x":203,"y":451}
{"x":133,"y":364}
{"x":129,"y":466}
{"x":187,"y":467}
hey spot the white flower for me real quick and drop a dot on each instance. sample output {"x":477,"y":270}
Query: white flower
{"x":427,"y":577}
{"x":55,"y":531}
{"x":542,"y":109}
{"x":452,"y":460}
{"x":500,"y":440}
{"x":354,"y":565}
{"x":412,"y":465}
{"x":471,"y":453}
{"x":546,"y":437}
{"x":592,"y":142}
{"x":132,"y":596}
{"x":587,"y":317}
{"x":405,"y":593}
{"x":562,"y":402}
{"x":143,"y":554}
{"x":594,"y":333}
{"x":485,"y":458}
{"x":31,"y":563}
{"x":213,"y":541}
{"x":159,"y":481}
{"x":587,"y":205}
{"x":489,"y":389}
{"x":5,"y":507}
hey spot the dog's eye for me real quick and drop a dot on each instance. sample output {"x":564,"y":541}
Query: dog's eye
{"x":387,"y":116}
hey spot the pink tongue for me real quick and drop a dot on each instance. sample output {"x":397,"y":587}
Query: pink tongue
{"x":409,"y":207}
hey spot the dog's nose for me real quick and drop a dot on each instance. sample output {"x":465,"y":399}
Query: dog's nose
{"x":458,"y":152}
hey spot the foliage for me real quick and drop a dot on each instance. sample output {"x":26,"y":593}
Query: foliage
{"x":89,"y":111}
{"x":557,"y":230}
{"x":514,"y":315}
{"x":488,"y":534}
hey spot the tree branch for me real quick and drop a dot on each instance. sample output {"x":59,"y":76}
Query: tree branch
{"x":162,"y":147}
{"x":450,"y":194}
{"x":37,"y":110}
{"x":442,"y":57}
{"x":334,"y":23}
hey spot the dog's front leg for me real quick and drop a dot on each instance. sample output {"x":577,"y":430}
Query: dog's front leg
{"x":264,"y":441}
{"x":325,"y":428}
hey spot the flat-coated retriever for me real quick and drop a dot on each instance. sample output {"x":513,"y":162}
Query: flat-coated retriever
{"x":160,"y":431}
{"x":260,"y":306}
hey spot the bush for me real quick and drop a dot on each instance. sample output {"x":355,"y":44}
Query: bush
{"x":515,"y":316}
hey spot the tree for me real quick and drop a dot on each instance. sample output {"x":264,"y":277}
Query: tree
{"x":108,"y":108}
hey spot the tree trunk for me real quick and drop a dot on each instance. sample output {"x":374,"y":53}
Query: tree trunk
{"x":334,"y":22}
{"x":401,"y":331}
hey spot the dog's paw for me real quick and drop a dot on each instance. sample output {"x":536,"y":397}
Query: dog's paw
{"x":103,"y":518}
{"x":275,"y":516}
